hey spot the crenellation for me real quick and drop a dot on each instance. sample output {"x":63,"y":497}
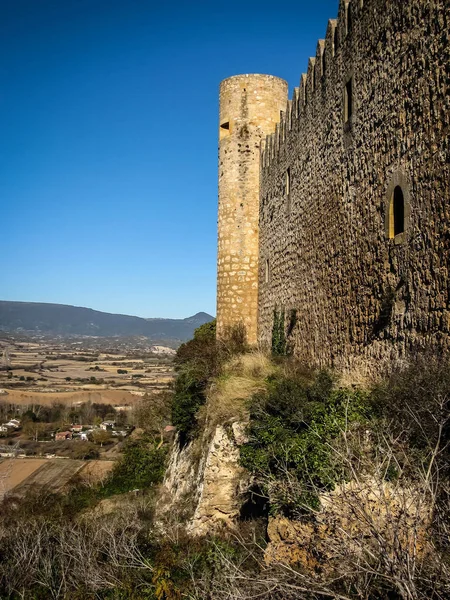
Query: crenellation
{"x":320,"y":53}
{"x":311,"y":74}
{"x":289,"y":115}
{"x":329,"y":39}
{"x":364,"y":265}
{"x":295,"y":103}
{"x":302,"y":92}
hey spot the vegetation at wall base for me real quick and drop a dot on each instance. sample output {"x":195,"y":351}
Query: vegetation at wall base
{"x":279,"y":345}
{"x":282,"y":342}
{"x":198,"y":362}
{"x":292,"y":428}
{"x":311,"y":443}
{"x":141,"y":466}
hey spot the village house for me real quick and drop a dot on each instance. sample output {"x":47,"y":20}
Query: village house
{"x":63,"y":435}
{"x":107,"y":425}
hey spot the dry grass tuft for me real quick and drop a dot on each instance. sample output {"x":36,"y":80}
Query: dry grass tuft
{"x":243,"y":376}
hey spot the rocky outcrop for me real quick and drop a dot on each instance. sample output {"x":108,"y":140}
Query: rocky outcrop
{"x":223,"y":484}
{"x":204,"y":483}
{"x":356,"y":520}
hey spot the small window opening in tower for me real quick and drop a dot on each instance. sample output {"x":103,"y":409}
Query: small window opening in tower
{"x":348,"y":19}
{"x":336,"y":39}
{"x":324,"y":63}
{"x":397,"y":213}
{"x":224,"y":129}
{"x":267,"y":271}
{"x":348,"y":107}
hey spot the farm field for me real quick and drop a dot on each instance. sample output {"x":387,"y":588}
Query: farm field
{"x":21,"y":474}
{"x":73,"y":398}
{"x":70,"y":404}
{"x":72,"y":372}
{"x":14,"y":471}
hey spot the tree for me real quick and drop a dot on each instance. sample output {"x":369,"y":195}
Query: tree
{"x":34,"y":429}
{"x":101,"y":437}
{"x":153,"y":412}
{"x":84,"y":450}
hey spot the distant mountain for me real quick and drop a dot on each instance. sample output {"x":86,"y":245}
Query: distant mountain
{"x":65,"y":320}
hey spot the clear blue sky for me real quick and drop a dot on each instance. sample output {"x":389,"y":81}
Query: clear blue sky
{"x":108,"y":142}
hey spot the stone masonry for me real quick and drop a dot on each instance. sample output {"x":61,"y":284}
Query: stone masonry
{"x":354,"y":192}
{"x":249,"y":110}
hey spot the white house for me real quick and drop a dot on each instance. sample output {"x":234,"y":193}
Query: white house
{"x":107,"y":425}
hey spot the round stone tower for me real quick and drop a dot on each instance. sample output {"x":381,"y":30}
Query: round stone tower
{"x":250,"y":108}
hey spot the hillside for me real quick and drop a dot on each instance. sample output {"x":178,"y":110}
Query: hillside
{"x":65,"y":320}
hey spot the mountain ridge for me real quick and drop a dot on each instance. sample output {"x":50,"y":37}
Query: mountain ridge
{"x":66,"y":320}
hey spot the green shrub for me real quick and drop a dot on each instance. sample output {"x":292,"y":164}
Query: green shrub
{"x":197,"y":361}
{"x":141,"y":466}
{"x":278,"y":333}
{"x":291,"y":429}
{"x":282,"y":344}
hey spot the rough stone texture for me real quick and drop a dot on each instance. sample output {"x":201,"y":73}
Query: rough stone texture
{"x":180,"y":491}
{"x":204,"y":483}
{"x":357,"y":519}
{"x":325,"y":247}
{"x":249,"y":109}
{"x":222,"y":484}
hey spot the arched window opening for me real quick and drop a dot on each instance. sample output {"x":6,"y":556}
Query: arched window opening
{"x":397,"y":215}
{"x":267,"y":271}
{"x":398,"y":208}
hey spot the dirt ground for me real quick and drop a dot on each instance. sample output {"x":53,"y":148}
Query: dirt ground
{"x":96,"y":470}
{"x":53,"y":474}
{"x":20,"y":474}
{"x":15,"y":470}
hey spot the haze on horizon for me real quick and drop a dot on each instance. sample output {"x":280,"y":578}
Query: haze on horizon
{"x":108,"y":153}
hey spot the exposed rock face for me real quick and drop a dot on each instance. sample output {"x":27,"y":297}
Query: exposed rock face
{"x":181,"y":486}
{"x":204,"y":483}
{"x":222,"y":485}
{"x":357,"y":519}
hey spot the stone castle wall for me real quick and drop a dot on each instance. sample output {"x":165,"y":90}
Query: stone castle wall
{"x":327,"y":247}
{"x":249,"y":110}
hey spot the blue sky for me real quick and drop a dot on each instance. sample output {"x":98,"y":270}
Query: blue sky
{"x":108,"y":143}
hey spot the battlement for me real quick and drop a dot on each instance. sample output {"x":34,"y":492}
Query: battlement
{"x":354,"y":190}
{"x":329,"y":67}
{"x":334,"y":208}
